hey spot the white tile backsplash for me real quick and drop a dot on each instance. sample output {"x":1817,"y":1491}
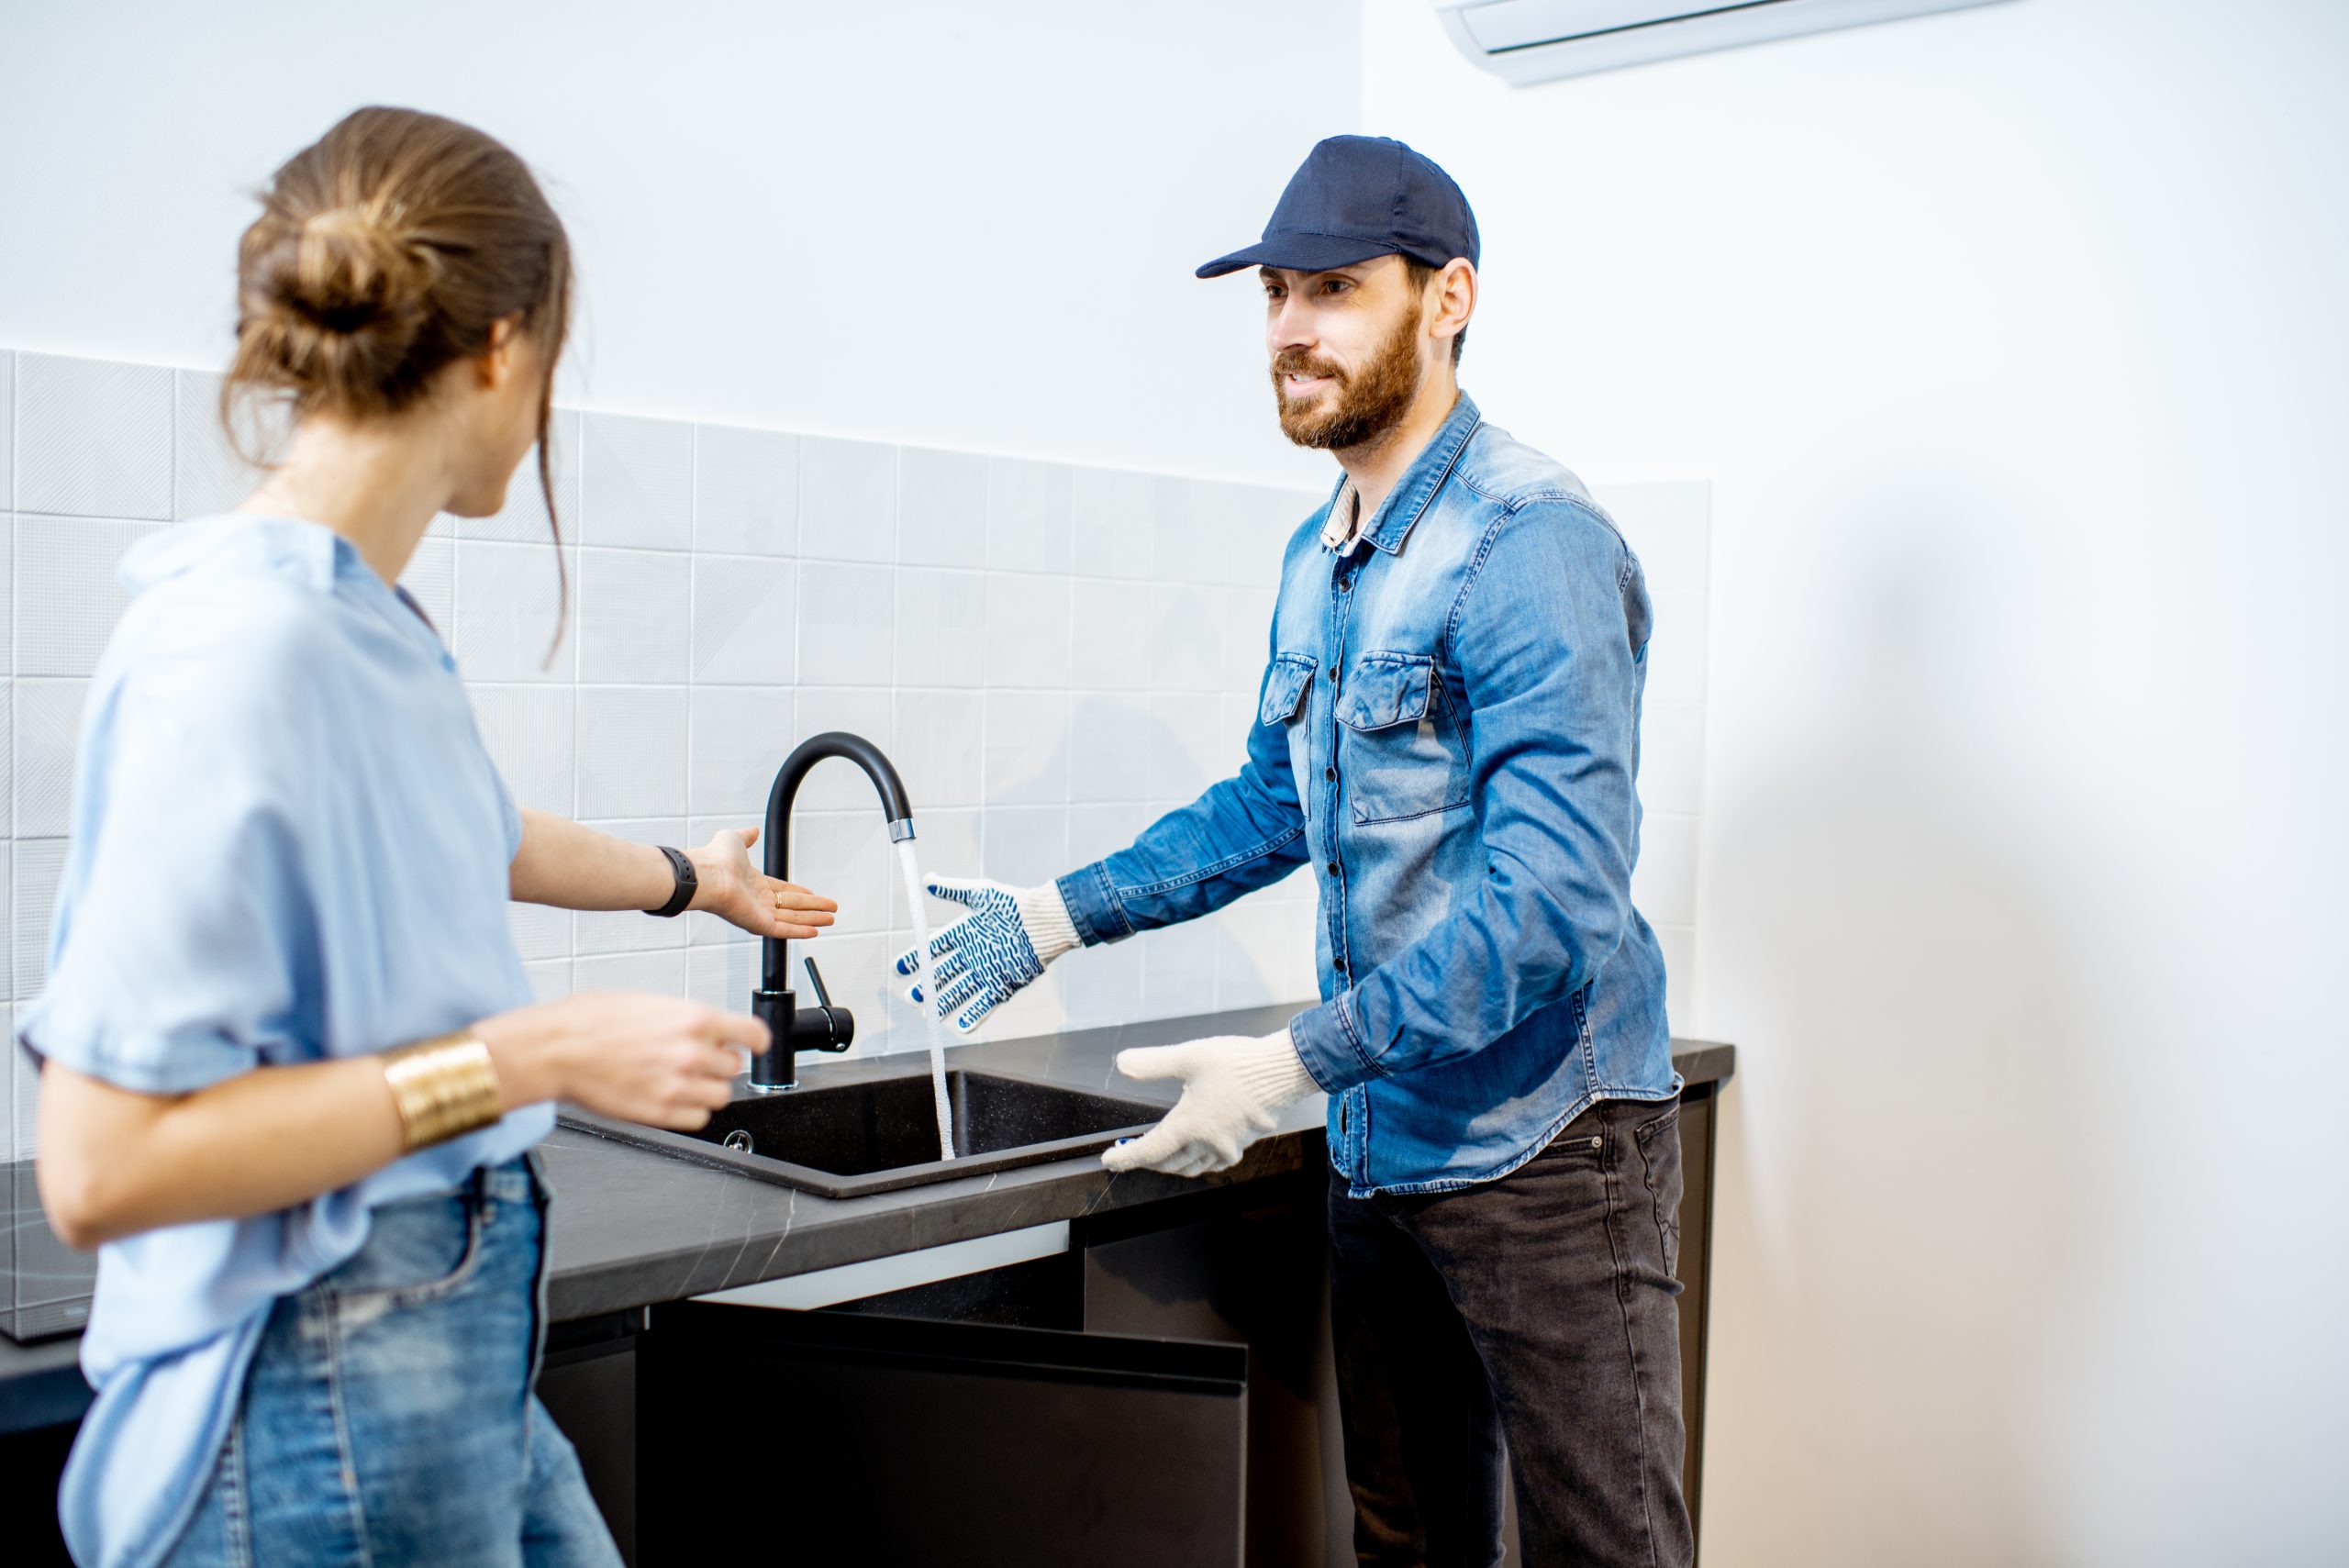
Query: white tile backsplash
{"x":631,"y":750}
{"x":1028,"y":630}
{"x":941,"y":508}
{"x":209,"y":472}
{"x":45,"y":720}
{"x":636,"y":481}
{"x":1111,"y":513}
{"x":1027,"y":748}
{"x":1027,"y":516}
{"x":1672,"y":757}
{"x":1053,"y":655}
{"x":940,"y":627}
{"x":936,"y":739}
{"x":847,"y":624}
{"x":848,"y":500}
{"x":724,"y":976}
{"x":1183,"y":633}
{"x":663,"y":972}
{"x":505,"y":624}
{"x":32,"y":891}
{"x":94,"y":438}
{"x":746,"y":491}
{"x":66,"y":597}
{"x":8,"y":429}
{"x":532,"y":734}
{"x":738,"y":736}
{"x":745,"y":620}
{"x":635,"y":616}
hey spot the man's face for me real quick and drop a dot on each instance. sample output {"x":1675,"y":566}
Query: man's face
{"x":1348,"y":350}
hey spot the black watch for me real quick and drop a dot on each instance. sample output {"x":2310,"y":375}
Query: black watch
{"x":687,"y":883}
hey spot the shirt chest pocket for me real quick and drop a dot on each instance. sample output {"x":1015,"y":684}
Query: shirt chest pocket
{"x":1287,"y":685}
{"x":1399,"y":751}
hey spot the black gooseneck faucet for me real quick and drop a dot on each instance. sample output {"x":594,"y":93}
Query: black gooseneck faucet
{"x":822,"y":1027}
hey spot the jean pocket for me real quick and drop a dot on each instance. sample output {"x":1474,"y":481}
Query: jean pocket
{"x":1399,"y":751}
{"x":1575,"y":1145}
{"x":1659,"y":1145}
{"x":416,"y":1251}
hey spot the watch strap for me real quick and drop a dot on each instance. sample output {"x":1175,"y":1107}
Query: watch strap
{"x":688,"y":883}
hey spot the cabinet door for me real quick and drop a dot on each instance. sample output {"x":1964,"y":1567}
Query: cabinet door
{"x":822,"y":1438}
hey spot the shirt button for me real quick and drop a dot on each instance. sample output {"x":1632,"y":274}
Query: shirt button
{"x":1330,"y":774}
{"x":1333,"y":868}
{"x":1344,"y":584}
{"x":1338,"y":964}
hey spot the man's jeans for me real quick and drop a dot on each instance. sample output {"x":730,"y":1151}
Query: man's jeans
{"x":1539,"y":1309}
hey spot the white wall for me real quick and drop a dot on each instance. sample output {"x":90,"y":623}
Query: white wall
{"x":966,"y":226}
{"x":2012,"y":342}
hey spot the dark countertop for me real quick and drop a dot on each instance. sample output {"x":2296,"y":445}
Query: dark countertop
{"x":635,"y":1229}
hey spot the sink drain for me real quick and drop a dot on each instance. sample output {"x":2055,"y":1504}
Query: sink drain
{"x":739,"y":1141}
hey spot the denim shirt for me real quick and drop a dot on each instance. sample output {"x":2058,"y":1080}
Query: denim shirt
{"x":1449,"y":736}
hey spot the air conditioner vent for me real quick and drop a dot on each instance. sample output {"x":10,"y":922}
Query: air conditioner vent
{"x":1536,"y":41}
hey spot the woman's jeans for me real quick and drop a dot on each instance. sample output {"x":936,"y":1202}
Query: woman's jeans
{"x":1534,"y":1315}
{"x":388,"y":1419}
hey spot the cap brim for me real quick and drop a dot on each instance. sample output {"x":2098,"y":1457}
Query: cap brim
{"x":1300,"y":253}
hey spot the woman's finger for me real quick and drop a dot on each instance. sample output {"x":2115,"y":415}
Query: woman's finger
{"x":804,"y":915}
{"x":791,"y":896}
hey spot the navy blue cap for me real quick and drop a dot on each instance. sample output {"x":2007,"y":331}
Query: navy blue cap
{"x":1356,"y":198}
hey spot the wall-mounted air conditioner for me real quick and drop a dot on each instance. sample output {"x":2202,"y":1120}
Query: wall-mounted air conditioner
{"x":1534,"y":40}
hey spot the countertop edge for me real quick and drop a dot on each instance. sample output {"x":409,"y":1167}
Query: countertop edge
{"x":41,"y":1384}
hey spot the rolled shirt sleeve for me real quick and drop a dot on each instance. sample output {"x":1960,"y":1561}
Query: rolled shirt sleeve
{"x":183,"y":940}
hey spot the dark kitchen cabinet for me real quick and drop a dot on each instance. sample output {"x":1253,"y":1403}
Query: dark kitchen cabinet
{"x":838,"y":1437}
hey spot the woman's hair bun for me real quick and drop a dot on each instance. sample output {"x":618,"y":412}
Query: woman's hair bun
{"x":389,"y":247}
{"x":335,"y":304}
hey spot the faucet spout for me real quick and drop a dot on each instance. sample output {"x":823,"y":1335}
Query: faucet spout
{"x":822,"y":1027}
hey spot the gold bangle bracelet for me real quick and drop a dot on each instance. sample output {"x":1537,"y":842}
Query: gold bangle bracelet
{"x":444,"y":1088}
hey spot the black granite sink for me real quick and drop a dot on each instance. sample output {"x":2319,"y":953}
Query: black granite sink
{"x":877,"y":1135}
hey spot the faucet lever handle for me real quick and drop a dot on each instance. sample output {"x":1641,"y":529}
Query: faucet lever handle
{"x":815,"y":984}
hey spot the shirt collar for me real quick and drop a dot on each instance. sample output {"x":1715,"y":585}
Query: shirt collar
{"x":1392,"y":524}
{"x":1385,"y":530}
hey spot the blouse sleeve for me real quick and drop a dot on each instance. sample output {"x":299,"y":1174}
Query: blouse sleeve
{"x":183,"y":948}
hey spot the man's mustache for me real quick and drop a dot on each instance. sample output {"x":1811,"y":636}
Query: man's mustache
{"x":1304,"y":364}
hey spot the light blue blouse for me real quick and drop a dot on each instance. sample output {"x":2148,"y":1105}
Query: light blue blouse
{"x":289,"y":844}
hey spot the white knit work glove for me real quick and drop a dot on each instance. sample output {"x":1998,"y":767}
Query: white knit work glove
{"x":1234,"y":1092}
{"x":1003,"y":943}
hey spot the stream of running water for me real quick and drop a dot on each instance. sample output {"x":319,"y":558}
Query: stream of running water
{"x":918,"y":899}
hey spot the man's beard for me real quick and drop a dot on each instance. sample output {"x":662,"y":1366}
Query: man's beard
{"x":1366,"y":404}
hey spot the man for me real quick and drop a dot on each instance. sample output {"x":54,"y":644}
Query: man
{"x":1449,"y":736}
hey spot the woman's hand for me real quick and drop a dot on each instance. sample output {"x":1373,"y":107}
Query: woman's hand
{"x":631,"y":1054}
{"x":738,"y":892}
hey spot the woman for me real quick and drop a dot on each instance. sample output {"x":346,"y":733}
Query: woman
{"x":317,"y":1313}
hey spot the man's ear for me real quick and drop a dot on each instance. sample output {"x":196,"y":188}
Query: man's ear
{"x":1455,"y":294}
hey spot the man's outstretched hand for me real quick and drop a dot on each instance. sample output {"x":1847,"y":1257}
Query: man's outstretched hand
{"x":1234,"y":1092}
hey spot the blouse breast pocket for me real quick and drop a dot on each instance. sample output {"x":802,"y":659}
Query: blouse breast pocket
{"x":1400,"y":754}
